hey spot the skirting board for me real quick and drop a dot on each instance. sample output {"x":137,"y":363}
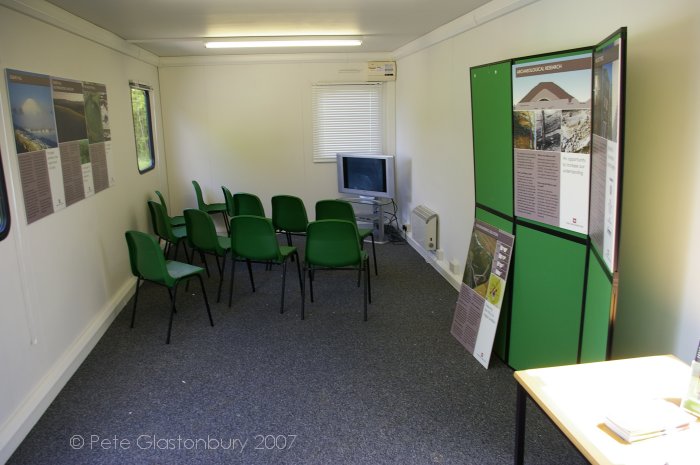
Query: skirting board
{"x":16,"y":428}
{"x":442,"y":266}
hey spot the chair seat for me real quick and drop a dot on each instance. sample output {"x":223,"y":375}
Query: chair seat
{"x":224,"y":242}
{"x":179,"y":232}
{"x":180,"y":270}
{"x":215,"y":207}
{"x":364,"y":233}
{"x":177,"y":221}
{"x":286,"y":250}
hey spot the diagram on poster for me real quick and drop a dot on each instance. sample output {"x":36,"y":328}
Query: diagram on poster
{"x":481,"y":295}
{"x":61,"y":140}
{"x":552,"y":139}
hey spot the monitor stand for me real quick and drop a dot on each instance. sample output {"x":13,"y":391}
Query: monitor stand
{"x":375,"y":218}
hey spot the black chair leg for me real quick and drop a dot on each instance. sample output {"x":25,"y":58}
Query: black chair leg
{"x":369,"y":283}
{"x":284,"y":279}
{"x":204,"y":260}
{"x":206,"y":301}
{"x":301,"y":286}
{"x":221,"y":267}
{"x":170,"y":293}
{"x":250,"y":273}
{"x":136,"y":298}
{"x":173,"y":295}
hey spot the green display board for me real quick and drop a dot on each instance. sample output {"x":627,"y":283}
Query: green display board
{"x":549,"y":276}
{"x":492,"y":132}
{"x":596,"y":321}
{"x":500,"y":344}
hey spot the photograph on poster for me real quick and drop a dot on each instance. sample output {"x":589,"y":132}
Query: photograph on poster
{"x":552,"y":139}
{"x":479,"y":259}
{"x":32,"y":111}
{"x":69,"y":105}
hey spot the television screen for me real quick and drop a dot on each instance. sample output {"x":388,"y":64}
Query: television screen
{"x":366,"y":175}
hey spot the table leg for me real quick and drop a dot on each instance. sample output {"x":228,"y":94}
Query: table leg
{"x":521,"y":397}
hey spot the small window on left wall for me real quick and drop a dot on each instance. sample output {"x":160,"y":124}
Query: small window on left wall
{"x":143,"y":126}
{"x":4,"y":207}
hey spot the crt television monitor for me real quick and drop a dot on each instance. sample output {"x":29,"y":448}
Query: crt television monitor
{"x":366,"y":175}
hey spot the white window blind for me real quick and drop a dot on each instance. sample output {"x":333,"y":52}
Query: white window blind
{"x":347,"y":118}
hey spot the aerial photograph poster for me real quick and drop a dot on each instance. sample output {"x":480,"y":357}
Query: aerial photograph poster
{"x":481,"y":296}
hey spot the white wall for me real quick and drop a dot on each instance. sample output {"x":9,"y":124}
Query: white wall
{"x":247,"y":126}
{"x":659,"y":302}
{"x":65,"y":276}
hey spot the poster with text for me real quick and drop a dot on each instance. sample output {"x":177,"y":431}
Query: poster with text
{"x":36,"y":141}
{"x":552,"y":139}
{"x":62,"y":137}
{"x":481,"y":295}
{"x":606,"y":152}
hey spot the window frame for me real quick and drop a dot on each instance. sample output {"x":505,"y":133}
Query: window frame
{"x":371,"y":141}
{"x":146,"y":90}
{"x":5,"y":219}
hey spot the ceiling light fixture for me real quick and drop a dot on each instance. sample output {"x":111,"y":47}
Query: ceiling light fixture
{"x":284,"y":42}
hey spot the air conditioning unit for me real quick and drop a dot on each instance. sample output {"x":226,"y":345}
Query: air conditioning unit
{"x":424,"y":227}
{"x":378,"y":71}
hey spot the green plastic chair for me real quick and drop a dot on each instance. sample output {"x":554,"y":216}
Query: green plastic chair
{"x":334,"y":244}
{"x":149,"y":264}
{"x":253,"y":239}
{"x":247,"y":204}
{"x":202,"y":237}
{"x":228,"y":200}
{"x":174,"y":220}
{"x":165,"y":231}
{"x":342,"y":210}
{"x":289,"y":216}
{"x":210,"y":208}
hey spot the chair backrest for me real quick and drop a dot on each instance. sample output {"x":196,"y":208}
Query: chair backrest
{"x":200,"y":199}
{"x":247,"y":204}
{"x":289,"y":213}
{"x":146,"y":258}
{"x":162,"y":201}
{"x":253,"y":237}
{"x":154,"y":219}
{"x":164,"y":228}
{"x":228,"y":198}
{"x":332,"y":243}
{"x":201,"y":232}
{"x":335,"y":210}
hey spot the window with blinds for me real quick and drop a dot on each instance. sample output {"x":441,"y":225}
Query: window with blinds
{"x":346,"y":118}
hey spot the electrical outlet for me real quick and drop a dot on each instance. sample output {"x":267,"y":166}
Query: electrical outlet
{"x":406,"y":228}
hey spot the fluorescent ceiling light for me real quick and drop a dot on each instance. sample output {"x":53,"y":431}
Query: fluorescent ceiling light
{"x":296,"y":42}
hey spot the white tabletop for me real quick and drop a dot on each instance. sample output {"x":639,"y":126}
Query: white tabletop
{"x":577,"y":398}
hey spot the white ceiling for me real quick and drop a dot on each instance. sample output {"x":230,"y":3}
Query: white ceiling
{"x":175,"y":28}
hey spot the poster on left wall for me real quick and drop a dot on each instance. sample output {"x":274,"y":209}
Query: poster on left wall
{"x":62,"y":138}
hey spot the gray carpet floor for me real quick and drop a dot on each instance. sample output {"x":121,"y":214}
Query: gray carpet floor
{"x":262,"y":387}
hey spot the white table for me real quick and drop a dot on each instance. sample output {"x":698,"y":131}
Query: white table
{"x":577,"y":397}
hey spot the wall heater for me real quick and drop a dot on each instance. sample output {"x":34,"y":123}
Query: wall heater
{"x":424,"y":227}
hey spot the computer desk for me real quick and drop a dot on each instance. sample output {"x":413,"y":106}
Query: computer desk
{"x":577,"y":397}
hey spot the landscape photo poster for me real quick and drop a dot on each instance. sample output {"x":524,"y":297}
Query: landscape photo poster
{"x":61,"y":135}
{"x":606,"y":154}
{"x":483,"y":285}
{"x":552,"y":139}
